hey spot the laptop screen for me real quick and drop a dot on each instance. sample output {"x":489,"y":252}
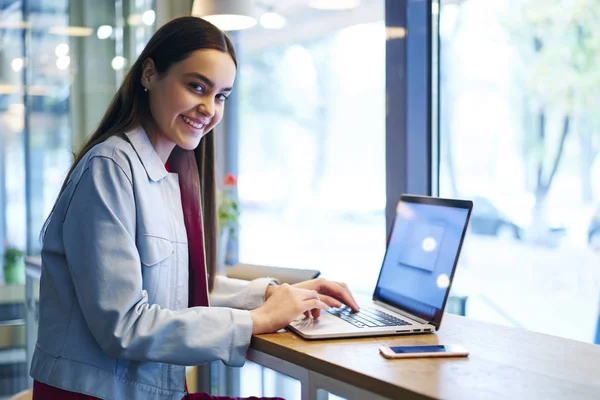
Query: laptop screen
{"x":421,"y":255}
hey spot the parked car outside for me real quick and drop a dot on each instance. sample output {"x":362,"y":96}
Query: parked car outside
{"x":488,"y":218}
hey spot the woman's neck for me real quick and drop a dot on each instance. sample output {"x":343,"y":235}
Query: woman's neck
{"x":162,"y":146}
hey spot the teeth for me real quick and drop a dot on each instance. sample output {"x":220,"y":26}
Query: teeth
{"x":192,"y":123}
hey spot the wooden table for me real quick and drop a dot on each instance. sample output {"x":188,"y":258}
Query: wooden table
{"x":505,"y":363}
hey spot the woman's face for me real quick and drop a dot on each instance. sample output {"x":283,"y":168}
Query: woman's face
{"x":188,"y":100}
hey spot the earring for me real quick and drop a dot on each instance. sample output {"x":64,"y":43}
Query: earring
{"x":145,"y":89}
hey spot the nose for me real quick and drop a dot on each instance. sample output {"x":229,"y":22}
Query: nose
{"x":207,"y":106}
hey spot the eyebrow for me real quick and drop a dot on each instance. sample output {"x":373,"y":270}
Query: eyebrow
{"x":207,"y":81}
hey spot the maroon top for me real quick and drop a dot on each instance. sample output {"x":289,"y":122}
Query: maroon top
{"x":192,"y":217}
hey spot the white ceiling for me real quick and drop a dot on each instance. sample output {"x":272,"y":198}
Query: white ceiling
{"x":304,"y":23}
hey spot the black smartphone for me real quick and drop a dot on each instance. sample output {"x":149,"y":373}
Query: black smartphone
{"x":439,"y":350}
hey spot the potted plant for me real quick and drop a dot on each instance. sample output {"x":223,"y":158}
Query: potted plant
{"x":14,"y":265}
{"x":228,"y":217}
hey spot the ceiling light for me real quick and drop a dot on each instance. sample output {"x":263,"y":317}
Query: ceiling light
{"x":333,"y":4}
{"x":16,"y":108}
{"x":8,"y":89}
{"x":134,"y":20}
{"x":15,"y":24}
{"x":227,"y":15}
{"x":61,"y":50}
{"x":63,"y":62}
{"x":272,"y":20}
{"x":34,"y":90}
{"x":148,"y":17}
{"x":104,"y":32}
{"x":17,"y":64}
{"x":395,"y":32}
{"x":71,"y":30}
{"x":118,"y":63}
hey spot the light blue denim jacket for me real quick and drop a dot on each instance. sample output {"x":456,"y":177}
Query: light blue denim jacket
{"x":114,"y":321}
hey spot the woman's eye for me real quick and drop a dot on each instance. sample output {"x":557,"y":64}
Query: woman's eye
{"x":197,"y":87}
{"x":222,"y":97}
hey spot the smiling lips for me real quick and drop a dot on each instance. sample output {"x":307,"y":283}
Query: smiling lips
{"x":192,"y":122}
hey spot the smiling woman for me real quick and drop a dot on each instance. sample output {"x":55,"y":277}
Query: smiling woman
{"x":107,"y":177}
{"x":129,"y":249}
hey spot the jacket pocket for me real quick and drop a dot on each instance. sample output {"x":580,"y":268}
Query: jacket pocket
{"x":154,"y":250}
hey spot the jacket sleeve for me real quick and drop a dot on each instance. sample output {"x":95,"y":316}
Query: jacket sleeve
{"x":236,"y":293}
{"x":99,"y":240}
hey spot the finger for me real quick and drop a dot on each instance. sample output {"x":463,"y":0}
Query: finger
{"x":340,"y":292}
{"x":330,"y":301}
{"x":345,"y":286}
{"x":307,"y":294}
{"x":342,"y":284}
{"x":314,"y":303}
{"x":315,"y":312}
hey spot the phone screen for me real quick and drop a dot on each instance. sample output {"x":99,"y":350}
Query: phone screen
{"x":420,"y":349}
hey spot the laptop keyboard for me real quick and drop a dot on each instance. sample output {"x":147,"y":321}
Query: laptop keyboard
{"x":367,"y":317}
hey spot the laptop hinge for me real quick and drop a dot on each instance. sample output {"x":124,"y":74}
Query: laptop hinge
{"x":401,"y":312}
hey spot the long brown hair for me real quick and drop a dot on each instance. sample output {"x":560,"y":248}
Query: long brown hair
{"x":170,"y":44}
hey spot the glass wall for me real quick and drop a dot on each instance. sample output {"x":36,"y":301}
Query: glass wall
{"x":519,"y":134}
{"x":60,"y":64}
{"x":12,"y":111}
{"x":70,"y":57}
{"x":311,"y":145}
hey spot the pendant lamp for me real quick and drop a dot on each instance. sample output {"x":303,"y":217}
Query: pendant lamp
{"x":227,"y":15}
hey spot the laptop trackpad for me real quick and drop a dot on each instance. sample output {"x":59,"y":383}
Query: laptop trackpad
{"x":326,"y":323}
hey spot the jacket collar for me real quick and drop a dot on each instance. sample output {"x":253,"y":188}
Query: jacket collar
{"x":150,"y":160}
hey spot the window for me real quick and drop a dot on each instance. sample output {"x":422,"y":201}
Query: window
{"x":12,"y":151}
{"x":312,"y":143}
{"x":518,"y":133}
{"x":71,"y":57}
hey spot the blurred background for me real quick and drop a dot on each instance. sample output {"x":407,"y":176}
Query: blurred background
{"x":339,"y":106}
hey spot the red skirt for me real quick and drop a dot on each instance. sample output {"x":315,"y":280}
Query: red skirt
{"x":41,"y":391}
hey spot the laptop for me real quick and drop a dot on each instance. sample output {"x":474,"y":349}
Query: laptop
{"x":415,"y":277}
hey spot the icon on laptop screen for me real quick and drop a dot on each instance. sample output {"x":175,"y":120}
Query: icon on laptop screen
{"x":421,"y":245}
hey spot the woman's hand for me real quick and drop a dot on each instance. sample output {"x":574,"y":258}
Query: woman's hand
{"x":283,"y":305}
{"x":334,"y":294}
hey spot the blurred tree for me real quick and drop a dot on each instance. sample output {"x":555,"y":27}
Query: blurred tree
{"x":558,"y":42}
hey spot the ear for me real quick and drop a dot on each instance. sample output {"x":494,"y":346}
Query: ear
{"x":148,"y":73}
